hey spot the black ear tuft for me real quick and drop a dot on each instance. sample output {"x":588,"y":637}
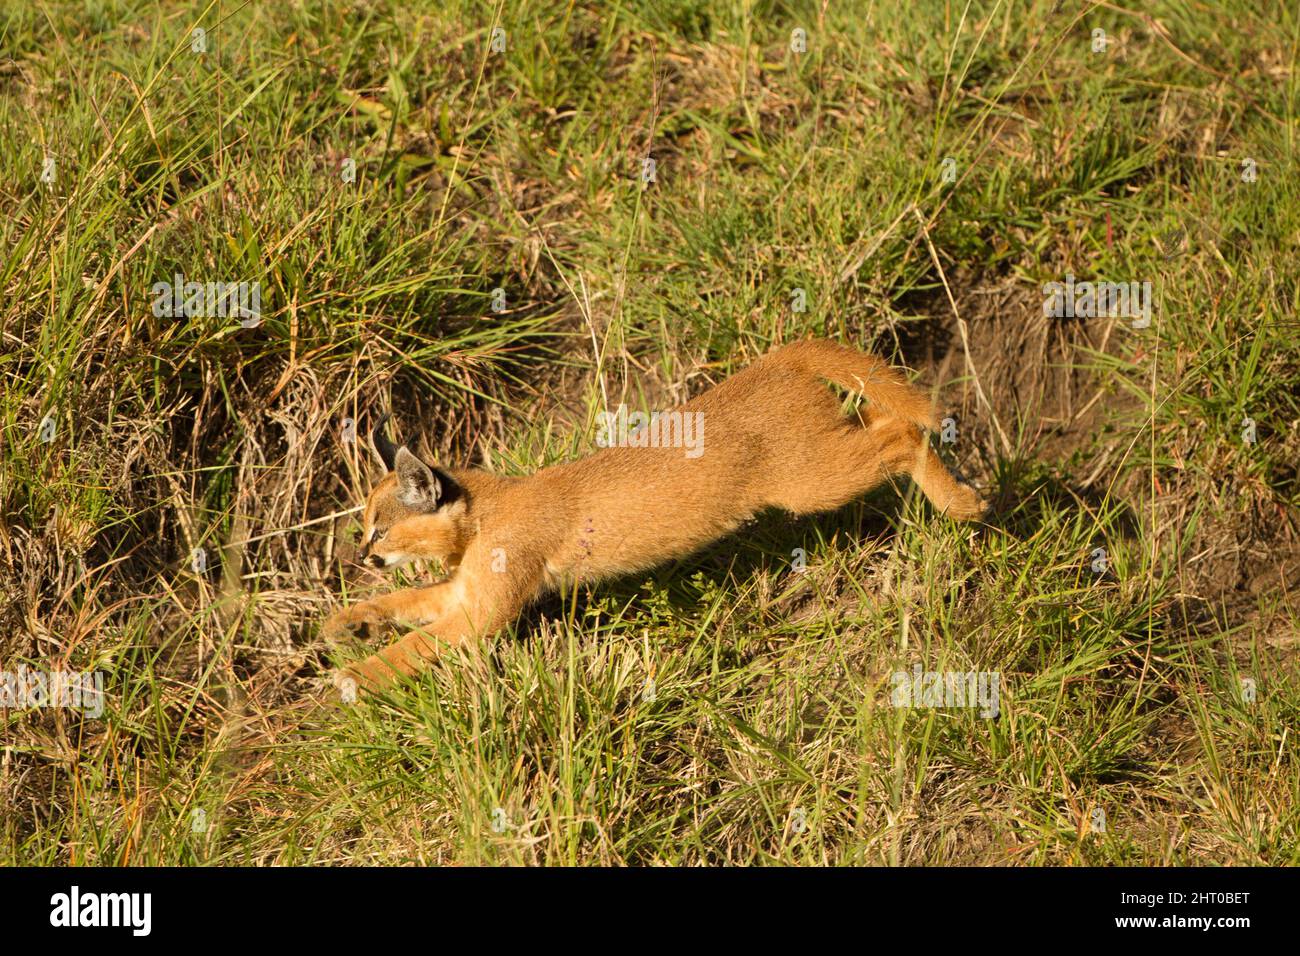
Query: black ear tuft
{"x":383,"y":447}
{"x":418,"y":486}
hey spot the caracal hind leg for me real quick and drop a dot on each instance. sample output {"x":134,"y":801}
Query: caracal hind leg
{"x":852,"y":460}
{"x":908,"y":452}
{"x":831,"y":468}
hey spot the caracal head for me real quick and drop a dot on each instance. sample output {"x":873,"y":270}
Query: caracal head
{"x":414,"y":512}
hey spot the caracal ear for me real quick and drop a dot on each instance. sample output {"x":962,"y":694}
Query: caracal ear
{"x":417,"y":485}
{"x":382,"y":445}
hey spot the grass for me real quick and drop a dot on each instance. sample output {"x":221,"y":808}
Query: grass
{"x":734,"y":707}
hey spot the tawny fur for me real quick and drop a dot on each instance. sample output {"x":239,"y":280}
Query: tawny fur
{"x":775,"y":436}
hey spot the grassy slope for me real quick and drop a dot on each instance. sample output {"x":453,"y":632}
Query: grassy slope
{"x":768,"y":736}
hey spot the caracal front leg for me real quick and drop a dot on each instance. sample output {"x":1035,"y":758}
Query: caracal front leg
{"x":411,"y":605}
{"x":475,"y":605}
